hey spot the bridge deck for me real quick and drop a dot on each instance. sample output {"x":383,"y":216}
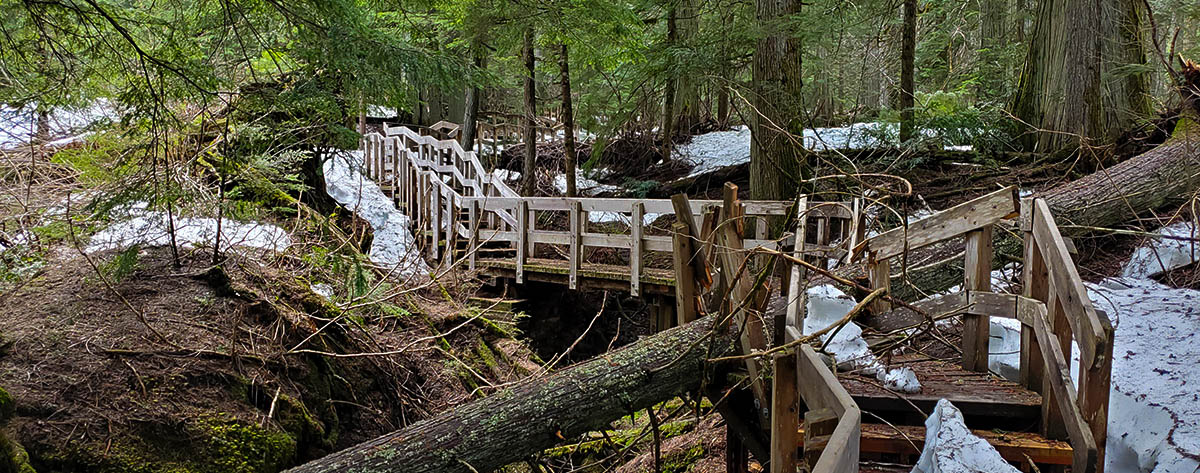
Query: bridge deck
{"x":591,"y":275}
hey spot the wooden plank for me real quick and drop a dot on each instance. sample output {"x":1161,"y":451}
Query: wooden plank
{"x":1012,"y":446}
{"x":945,"y":225}
{"x":821,"y":389}
{"x":797,"y":279}
{"x":473,"y":244}
{"x":751,"y":325}
{"x":879,"y":272}
{"x":635,"y":251}
{"x":522,"y":235}
{"x":819,"y":425}
{"x":1061,"y":334}
{"x":683,"y":213}
{"x":576,"y":246}
{"x":842,"y":453}
{"x":977,"y":277}
{"x":1058,"y":376}
{"x":785,"y":414}
{"x":1095,"y":385}
{"x":685,"y":278}
{"x":435,"y":206}
{"x":1036,"y":277}
{"x":1085,"y":324}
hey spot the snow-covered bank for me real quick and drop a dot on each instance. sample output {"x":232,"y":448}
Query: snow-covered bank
{"x":951,"y":448}
{"x":66,"y":124}
{"x":718,"y":149}
{"x":151,"y":228}
{"x":393,"y":245}
{"x":1154,"y":420}
{"x":1160,"y":255}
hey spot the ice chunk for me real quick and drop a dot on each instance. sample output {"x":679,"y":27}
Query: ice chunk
{"x":951,"y":448}
{"x":1164,"y":254}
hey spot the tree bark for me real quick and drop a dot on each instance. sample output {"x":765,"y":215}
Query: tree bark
{"x":537,"y":414}
{"x":668,"y":117}
{"x":529,"y":171}
{"x":471,"y":110}
{"x":687,"y":99}
{"x":908,"y":48}
{"x":774,"y":158}
{"x":568,"y":118}
{"x":1076,"y":86}
{"x":993,"y":22}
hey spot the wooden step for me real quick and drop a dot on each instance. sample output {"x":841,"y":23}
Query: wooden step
{"x":1013,"y":446}
{"x":984,"y":399}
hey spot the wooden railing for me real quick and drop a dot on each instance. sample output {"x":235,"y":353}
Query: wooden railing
{"x":1054,"y":311}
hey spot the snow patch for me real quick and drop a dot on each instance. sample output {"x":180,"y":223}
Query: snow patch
{"x":1164,"y":254}
{"x":584,"y":184}
{"x":150,"y":228}
{"x":393,"y":245}
{"x":826,"y":306}
{"x":951,"y":448}
{"x":903,"y":380}
{"x":1154,"y":425}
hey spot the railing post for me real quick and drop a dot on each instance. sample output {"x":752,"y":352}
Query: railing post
{"x":435,"y":205}
{"x":977,"y":276}
{"x":1035,"y":279}
{"x":522,"y":237}
{"x":473,"y":230}
{"x":1094,"y":385}
{"x":635,"y":248}
{"x":879,"y":273}
{"x":576,"y":244}
{"x":797,"y":294}
{"x":785,"y":413}
{"x":685,"y":275}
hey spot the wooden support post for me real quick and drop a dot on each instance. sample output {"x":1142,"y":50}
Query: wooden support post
{"x":473,"y":230}
{"x":522,"y":236}
{"x":1035,"y":279}
{"x":1052,"y":415}
{"x":451,"y":228}
{"x":685,"y":277}
{"x":737,"y":458}
{"x":576,"y":244}
{"x":797,"y":290}
{"x":879,"y":273}
{"x":1095,"y":385}
{"x":823,"y":240}
{"x":435,"y":206}
{"x":530,"y":227}
{"x":785,"y":414}
{"x":635,"y":248}
{"x":683,"y":214}
{"x":977,"y":277}
{"x":819,"y":425}
{"x":745,"y":314}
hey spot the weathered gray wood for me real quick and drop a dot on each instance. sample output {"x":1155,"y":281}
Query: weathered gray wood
{"x":1058,"y":376}
{"x":685,"y":276}
{"x":635,"y":251}
{"x":952,"y":222}
{"x":576,"y":245}
{"x":1085,"y":324}
{"x":978,"y":277}
{"x":785,"y":414}
{"x":522,"y":235}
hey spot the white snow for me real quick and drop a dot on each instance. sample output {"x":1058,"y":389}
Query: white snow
{"x":584,"y":183}
{"x":506,"y":175}
{"x":1004,"y":347}
{"x":1164,"y":254}
{"x":951,"y":448}
{"x":826,"y":305}
{"x":150,"y":228}
{"x":393,"y":245}
{"x":324,"y":290}
{"x":715,"y":150}
{"x":1154,"y":421}
{"x":17,"y":125}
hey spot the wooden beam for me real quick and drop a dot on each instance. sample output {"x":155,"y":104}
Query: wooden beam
{"x":797,"y":287}
{"x":683,"y":214}
{"x":635,"y":250}
{"x":1085,"y":324}
{"x":1036,"y":277}
{"x":473,"y":243}
{"x":945,"y":225}
{"x":879,"y":272}
{"x":819,"y":425}
{"x":1058,"y":376}
{"x":522,"y":236}
{"x":741,"y":290}
{"x":785,"y":414}
{"x":977,"y":277}
{"x":576,"y":247}
{"x":685,"y":277}
{"x":1012,"y":446}
{"x":1095,"y":385}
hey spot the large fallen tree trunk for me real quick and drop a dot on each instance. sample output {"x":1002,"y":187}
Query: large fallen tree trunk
{"x":513,"y":424}
{"x":1112,"y":197}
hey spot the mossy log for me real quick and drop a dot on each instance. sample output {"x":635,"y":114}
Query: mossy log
{"x":513,"y":424}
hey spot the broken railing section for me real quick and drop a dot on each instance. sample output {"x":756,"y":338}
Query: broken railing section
{"x":1054,"y":311}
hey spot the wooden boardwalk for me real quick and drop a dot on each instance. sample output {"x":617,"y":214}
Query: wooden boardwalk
{"x":718,"y":249}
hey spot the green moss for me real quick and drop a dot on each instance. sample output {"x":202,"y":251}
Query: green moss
{"x":245,"y":448}
{"x":7,"y":406}
{"x":683,"y":461}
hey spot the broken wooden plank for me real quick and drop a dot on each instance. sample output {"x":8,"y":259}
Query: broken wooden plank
{"x":1085,"y":324}
{"x":942,"y":226}
{"x":785,"y":414}
{"x":977,"y":277}
{"x":1058,"y":377}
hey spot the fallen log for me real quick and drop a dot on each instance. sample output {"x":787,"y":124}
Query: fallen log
{"x":513,"y":424}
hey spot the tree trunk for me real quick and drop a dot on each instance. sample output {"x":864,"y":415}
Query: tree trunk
{"x":513,"y":424}
{"x":687,"y":99}
{"x":993,"y":21}
{"x":471,"y":110}
{"x":668,"y":117}
{"x":908,"y":48}
{"x":1076,"y":86}
{"x":568,"y":119}
{"x":774,"y":158}
{"x":726,"y":75}
{"x":528,"y":177}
